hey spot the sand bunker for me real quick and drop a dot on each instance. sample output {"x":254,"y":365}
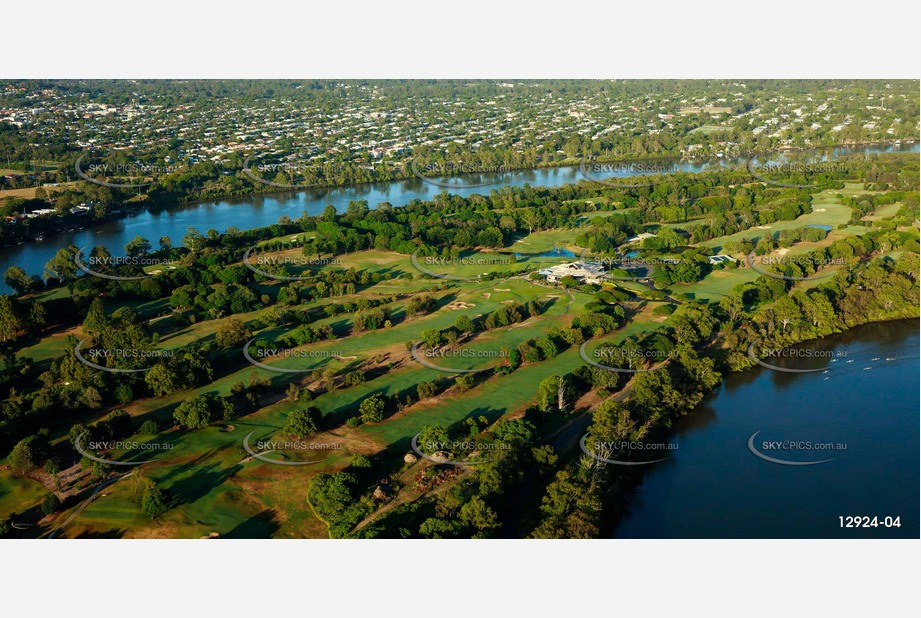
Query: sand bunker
{"x":458,"y":304}
{"x":502,"y":289}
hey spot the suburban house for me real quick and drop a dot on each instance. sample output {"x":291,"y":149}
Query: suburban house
{"x":719,"y":259}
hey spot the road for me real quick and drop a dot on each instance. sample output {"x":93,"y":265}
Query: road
{"x":87,"y":502}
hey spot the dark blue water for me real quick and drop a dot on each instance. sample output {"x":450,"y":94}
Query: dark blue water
{"x":712,"y":486}
{"x":553,"y":253}
{"x":259,"y":211}
{"x":827,"y":228}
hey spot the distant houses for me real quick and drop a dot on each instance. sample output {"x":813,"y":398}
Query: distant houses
{"x":41,"y":212}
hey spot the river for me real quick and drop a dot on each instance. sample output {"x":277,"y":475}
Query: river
{"x":713,"y":486}
{"x":262,"y":210}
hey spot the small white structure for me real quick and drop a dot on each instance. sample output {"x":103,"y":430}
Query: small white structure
{"x":719,"y":259}
{"x":640,"y":237}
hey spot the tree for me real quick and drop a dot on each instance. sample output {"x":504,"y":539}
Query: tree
{"x":10,"y":323}
{"x":123,"y":393}
{"x":51,"y":504}
{"x":476,"y":513}
{"x":149,"y":427}
{"x":96,"y":320}
{"x":194,"y":240}
{"x":17,"y":279}
{"x":531,"y":218}
{"x":28,"y":454}
{"x":431,"y":338}
{"x":433,"y":438}
{"x":464,"y":324}
{"x":137,"y":247}
{"x":424,"y":390}
{"x":554,"y":393}
{"x":91,"y":398}
{"x":62,"y":265}
{"x":155,"y":501}
{"x":201,"y":410}
{"x":465,"y":382}
{"x":733,"y":304}
{"x":302,"y":423}
{"x":232,"y":333}
{"x":371,"y":409}
{"x":162,"y":379}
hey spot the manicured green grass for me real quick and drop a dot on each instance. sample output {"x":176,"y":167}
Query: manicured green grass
{"x":492,"y":400}
{"x":546,"y":240}
{"x":216,"y":490}
{"x":709,"y":128}
{"x":19,"y":494}
{"x":827,"y":209}
{"x":885,"y":211}
{"x":715,"y":285}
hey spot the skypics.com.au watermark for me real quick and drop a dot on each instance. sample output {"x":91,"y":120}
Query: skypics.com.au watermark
{"x":626,"y":263}
{"x":456,"y":175}
{"x":764,"y":171}
{"x":761,"y":354}
{"x":128,"y":446}
{"x":116,"y":170}
{"x":784,"y":452}
{"x":612,"y":174}
{"x":421,"y":356}
{"x":117,"y":354}
{"x":259,"y":263}
{"x":93,"y":262}
{"x":801,"y":261}
{"x":614,"y":452}
{"x":464,"y":353}
{"x":628,"y":359}
{"x":287,"y":172}
{"x":456,"y":452}
{"x":423,"y":263}
{"x":282,"y":353}
{"x":268,"y":260}
{"x":288,"y":449}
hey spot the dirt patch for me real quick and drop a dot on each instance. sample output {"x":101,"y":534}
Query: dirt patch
{"x":486,"y":295}
{"x":168,"y":531}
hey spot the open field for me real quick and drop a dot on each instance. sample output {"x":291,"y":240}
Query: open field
{"x":29,"y":192}
{"x":707,"y":129}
